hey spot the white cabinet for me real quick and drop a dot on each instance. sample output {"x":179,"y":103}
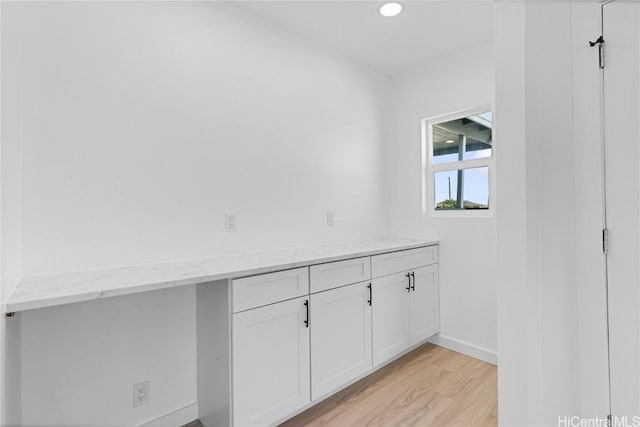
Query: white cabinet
{"x":405,"y":311}
{"x":272,"y":344}
{"x":424,"y":304}
{"x":256,"y":291}
{"x":340,"y":337}
{"x":390,"y":313}
{"x":339,"y":273}
{"x":270,"y":362}
{"x":396,"y":262}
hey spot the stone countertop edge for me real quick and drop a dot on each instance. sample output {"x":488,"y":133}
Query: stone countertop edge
{"x":65,"y":288}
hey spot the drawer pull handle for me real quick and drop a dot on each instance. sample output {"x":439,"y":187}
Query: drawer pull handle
{"x":408,"y":276}
{"x":306,"y":305}
{"x":370,"y":294}
{"x":413,"y":276}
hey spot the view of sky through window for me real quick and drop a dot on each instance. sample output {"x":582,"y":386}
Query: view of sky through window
{"x":455,"y":141}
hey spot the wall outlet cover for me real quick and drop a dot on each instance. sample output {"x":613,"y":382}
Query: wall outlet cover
{"x":230,"y":223}
{"x":140,"y":394}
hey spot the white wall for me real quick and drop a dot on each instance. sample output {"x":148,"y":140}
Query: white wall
{"x":551,"y":211}
{"x":137,"y":141}
{"x":80,"y":361}
{"x":536,"y":221}
{"x":468,"y":298}
{"x":590,"y":278}
{"x":509,"y":125}
{"x":142,"y":124}
{"x":10,"y":212}
{"x":550,"y":275}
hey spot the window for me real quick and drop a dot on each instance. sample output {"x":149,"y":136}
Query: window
{"x":458,"y":163}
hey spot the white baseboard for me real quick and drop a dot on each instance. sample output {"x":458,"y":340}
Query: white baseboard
{"x":466,"y":348}
{"x":179,"y":417}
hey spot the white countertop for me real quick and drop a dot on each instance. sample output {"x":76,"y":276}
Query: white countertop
{"x":46,"y":291}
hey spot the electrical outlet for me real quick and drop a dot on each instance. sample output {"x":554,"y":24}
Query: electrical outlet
{"x":230,"y":224}
{"x":140,"y":394}
{"x":331,"y":218}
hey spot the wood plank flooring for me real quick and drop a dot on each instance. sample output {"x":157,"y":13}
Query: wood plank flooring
{"x":431,"y":386}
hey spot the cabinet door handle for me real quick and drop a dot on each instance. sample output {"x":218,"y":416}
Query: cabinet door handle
{"x":370,"y":294}
{"x":408,"y":276}
{"x":413,"y":276}
{"x":306,"y":305}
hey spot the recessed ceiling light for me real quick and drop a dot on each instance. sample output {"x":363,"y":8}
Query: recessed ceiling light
{"x":390,"y":9}
{"x":449,"y":141}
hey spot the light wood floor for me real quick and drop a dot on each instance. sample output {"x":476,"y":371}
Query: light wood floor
{"x":431,"y":386}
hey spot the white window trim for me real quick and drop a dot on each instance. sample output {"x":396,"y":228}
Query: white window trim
{"x":428,"y":168}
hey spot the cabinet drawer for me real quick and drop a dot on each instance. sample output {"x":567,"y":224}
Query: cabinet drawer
{"x":256,"y":291}
{"x":334,"y":274}
{"x":395,"y":262}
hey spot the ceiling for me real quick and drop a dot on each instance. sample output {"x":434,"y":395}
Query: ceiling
{"x":424,"y":31}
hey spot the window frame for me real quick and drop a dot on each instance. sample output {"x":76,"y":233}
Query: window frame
{"x":429,"y":169}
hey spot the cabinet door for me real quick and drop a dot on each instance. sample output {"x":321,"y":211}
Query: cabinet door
{"x":340,"y":337}
{"x":424,"y":304}
{"x":390,"y":314}
{"x":271,"y":376}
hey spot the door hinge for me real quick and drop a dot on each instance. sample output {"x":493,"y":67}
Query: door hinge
{"x":605,"y":241}
{"x":600,"y":42}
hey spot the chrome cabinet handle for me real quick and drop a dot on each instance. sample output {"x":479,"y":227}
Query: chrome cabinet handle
{"x":408,"y":276}
{"x":306,"y":322}
{"x":370,"y":294}
{"x":413,"y":276}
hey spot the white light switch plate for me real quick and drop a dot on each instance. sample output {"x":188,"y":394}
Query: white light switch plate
{"x":331,"y":218}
